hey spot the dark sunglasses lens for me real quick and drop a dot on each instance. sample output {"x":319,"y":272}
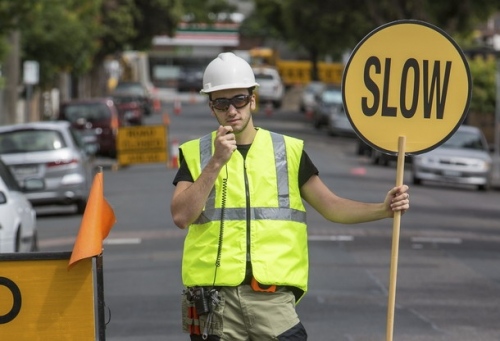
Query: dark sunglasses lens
{"x":237,"y":101}
{"x":240,"y":101}
{"x":221,"y":104}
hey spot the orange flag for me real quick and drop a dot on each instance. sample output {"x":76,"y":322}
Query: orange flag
{"x":97,"y":221}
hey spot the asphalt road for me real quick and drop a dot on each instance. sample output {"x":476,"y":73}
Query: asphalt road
{"x":448,"y":279}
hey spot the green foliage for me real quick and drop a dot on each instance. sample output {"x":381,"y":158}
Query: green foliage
{"x":61,"y":36}
{"x":483,"y":73}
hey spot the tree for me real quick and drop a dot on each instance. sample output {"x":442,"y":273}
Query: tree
{"x":61,"y":37}
{"x":331,"y":27}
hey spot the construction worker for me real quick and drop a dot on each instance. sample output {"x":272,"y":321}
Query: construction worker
{"x":239,"y":192}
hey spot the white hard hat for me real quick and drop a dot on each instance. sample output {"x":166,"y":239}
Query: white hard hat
{"x":228,"y":71}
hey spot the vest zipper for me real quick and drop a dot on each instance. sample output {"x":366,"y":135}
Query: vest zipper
{"x":247,"y":195}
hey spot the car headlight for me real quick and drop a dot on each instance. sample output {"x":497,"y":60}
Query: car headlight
{"x":425,"y":160}
{"x":481,"y":165}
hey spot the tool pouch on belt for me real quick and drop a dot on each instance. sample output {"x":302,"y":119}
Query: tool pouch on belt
{"x":256,"y":286}
{"x":190,"y":318}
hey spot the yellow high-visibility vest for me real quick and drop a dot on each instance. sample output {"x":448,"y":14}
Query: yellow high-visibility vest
{"x":257,"y":200}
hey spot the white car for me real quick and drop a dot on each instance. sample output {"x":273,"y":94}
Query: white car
{"x":17,"y":216}
{"x":271,"y":88}
{"x":463,"y":159}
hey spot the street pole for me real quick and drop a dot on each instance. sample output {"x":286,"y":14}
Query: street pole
{"x":497,"y":112}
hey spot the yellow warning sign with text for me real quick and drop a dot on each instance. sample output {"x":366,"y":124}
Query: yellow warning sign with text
{"x":42,"y":300}
{"x":407,"y":78}
{"x":142,"y":144}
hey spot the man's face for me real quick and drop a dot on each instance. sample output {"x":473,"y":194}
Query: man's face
{"x":232,"y":107}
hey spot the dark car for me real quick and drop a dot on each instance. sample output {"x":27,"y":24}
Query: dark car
{"x":329,"y":112}
{"x":138,"y":91}
{"x":98,"y":115}
{"x":190,"y":79}
{"x":130,"y":109}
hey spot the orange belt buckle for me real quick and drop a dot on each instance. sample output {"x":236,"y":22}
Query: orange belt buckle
{"x":256,"y":286}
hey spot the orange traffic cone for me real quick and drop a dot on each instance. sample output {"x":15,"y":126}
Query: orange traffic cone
{"x":192,"y":97}
{"x":177,"y":107}
{"x":166,"y":119}
{"x":174,"y":160}
{"x":156,"y":101}
{"x":269,"y":109}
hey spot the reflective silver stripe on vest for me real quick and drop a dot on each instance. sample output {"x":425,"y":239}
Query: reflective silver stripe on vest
{"x":284,"y":212}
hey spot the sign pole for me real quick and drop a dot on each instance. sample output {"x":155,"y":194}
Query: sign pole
{"x":100,"y":297}
{"x":395,"y":242}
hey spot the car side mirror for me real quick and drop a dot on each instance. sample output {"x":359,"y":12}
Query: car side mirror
{"x":33,"y":185}
{"x":3,"y":198}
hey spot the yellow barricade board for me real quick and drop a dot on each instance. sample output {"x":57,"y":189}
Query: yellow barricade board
{"x":142,"y":144}
{"x":40,"y":299}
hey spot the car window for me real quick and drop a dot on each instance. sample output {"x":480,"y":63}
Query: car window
{"x":130,"y":88}
{"x":8,"y":178}
{"x":92,"y":112}
{"x":263,"y":76}
{"x":29,"y":140}
{"x":331,"y":96}
{"x":465,"y":140}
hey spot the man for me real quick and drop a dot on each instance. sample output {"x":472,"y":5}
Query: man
{"x":240,"y":191}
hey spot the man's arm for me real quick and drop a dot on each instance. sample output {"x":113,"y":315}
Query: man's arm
{"x":345,"y":211}
{"x":189,"y":198}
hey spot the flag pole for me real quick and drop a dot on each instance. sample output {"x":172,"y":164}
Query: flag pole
{"x":100,"y":289}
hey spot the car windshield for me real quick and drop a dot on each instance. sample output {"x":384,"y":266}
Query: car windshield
{"x":29,"y":140}
{"x":314,"y":87}
{"x":331,"y":97}
{"x":263,"y":76}
{"x":135,"y":89}
{"x":91,"y":112}
{"x":465,"y":140}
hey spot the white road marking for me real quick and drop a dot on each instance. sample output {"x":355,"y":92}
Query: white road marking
{"x":122,"y":241}
{"x":442,"y":240}
{"x":332,"y":238}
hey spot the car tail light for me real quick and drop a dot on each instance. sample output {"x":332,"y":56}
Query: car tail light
{"x":61,"y":163}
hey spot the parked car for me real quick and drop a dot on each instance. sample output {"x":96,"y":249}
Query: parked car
{"x":308,"y":97}
{"x":271,"y":88}
{"x":138,"y":91}
{"x":50,"y":161}
{"x":190,"y":79}
{"x":17,"y":217}
{"x":329,"y":112}
{"x":463,"y":159}
{"x":100,"y":115}
{"x":130,"y":109}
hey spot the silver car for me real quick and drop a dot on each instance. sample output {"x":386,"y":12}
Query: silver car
{"x":463,"y":159}
{"x":50,"y":161}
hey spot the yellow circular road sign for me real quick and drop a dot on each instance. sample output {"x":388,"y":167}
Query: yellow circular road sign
{"x":406,"y":78}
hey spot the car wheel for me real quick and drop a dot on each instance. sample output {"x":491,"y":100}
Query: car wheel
{"x":484,"y":188}
{"x":80,"y":206}
{"x":34,"y":243}
{"x":17,"y":246}
{"x":416,"y":181}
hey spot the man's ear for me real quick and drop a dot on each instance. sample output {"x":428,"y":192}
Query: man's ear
{"x":253,"y":102}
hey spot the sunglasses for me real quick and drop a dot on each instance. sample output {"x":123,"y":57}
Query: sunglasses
{"x":239,"y":101}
